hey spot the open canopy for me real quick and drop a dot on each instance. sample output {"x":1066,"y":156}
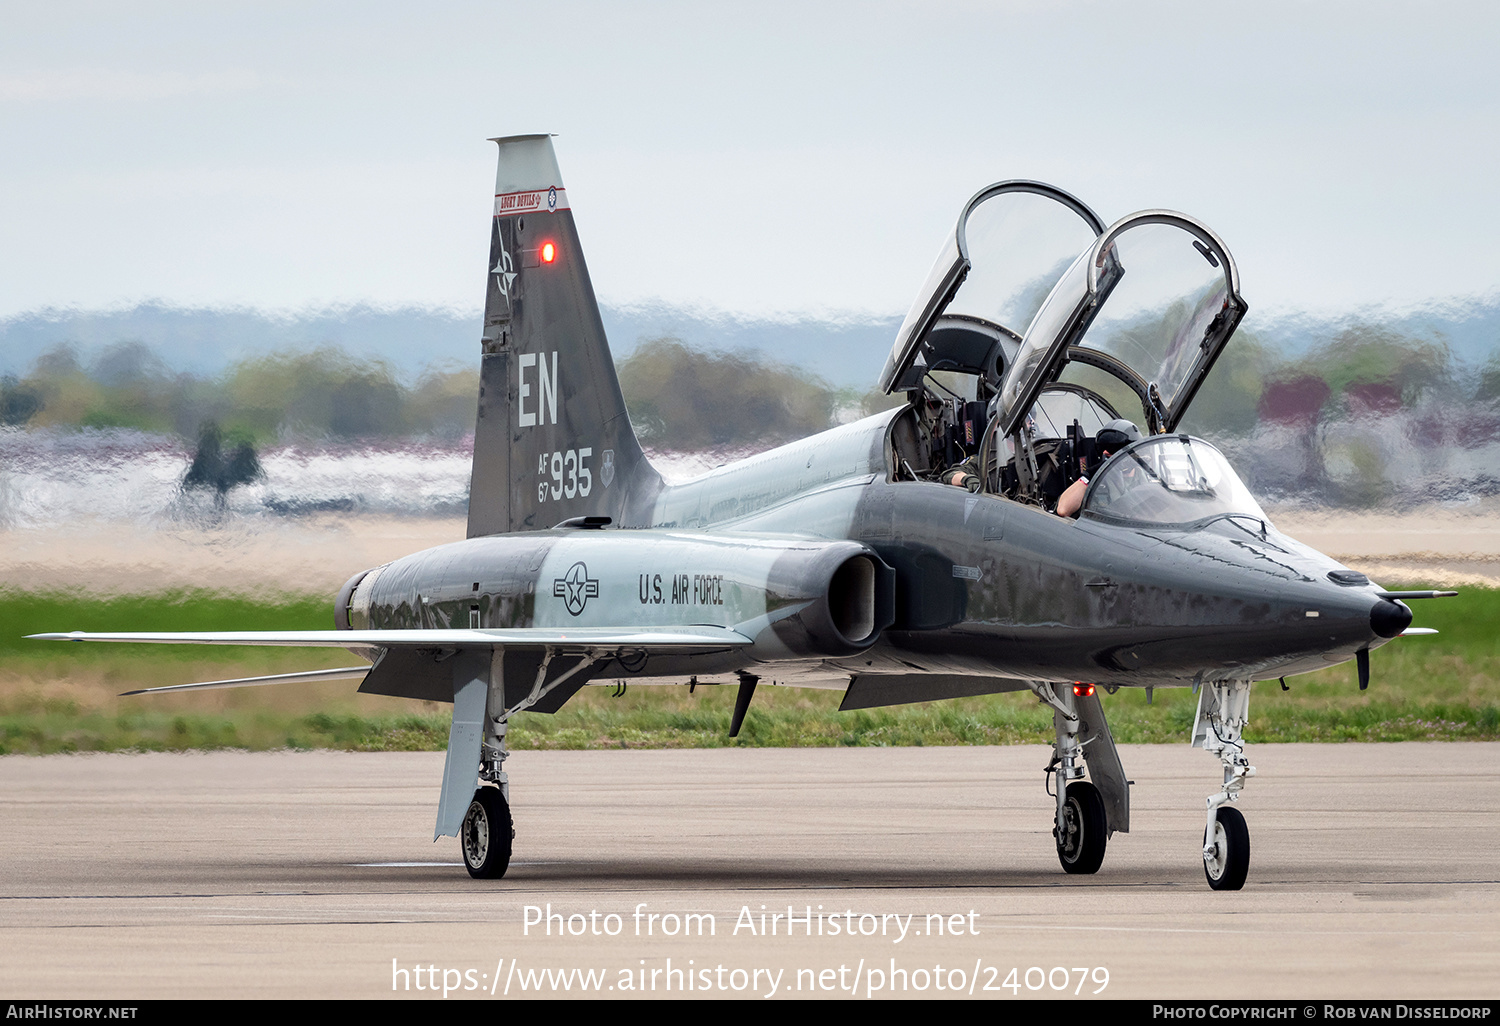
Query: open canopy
{"x":1152,"y":302}
{"x":1029,"y":282}
{"x":996,"y":267}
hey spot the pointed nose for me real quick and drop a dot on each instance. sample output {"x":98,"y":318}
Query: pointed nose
{"x":1388,"y":619}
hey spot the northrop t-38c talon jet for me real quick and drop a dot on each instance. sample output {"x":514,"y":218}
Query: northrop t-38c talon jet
{"x":916,"y":555}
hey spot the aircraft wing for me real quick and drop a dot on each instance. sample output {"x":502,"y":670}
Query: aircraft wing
{"x":564,"y":641}
{"x":567,"y":639}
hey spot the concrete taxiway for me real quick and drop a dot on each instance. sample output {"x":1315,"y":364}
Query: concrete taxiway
{"x":1374,"y":874}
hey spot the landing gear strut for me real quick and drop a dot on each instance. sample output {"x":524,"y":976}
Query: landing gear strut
{"x":488,"y":830}
{"x":1223,"y":712}
{"x":476,"y":747}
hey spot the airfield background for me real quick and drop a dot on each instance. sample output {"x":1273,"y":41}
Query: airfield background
{"x":188,"y":494}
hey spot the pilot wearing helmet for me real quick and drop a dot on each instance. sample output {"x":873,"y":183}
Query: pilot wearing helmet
{"x":1112,"y":437}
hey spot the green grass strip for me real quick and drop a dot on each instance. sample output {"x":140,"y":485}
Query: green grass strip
{"x":1423,"y":688}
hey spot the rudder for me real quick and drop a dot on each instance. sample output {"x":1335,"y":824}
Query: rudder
{"x":553,"y":440}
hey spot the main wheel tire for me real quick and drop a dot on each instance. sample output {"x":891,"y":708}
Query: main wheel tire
{"x":1081,"y":835}
{"x":486,"y":835}
{"x":1228,"y":866}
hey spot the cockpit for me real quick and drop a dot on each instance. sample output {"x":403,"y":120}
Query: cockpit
{"x":1038,"y":327}
{"x":1170,"y":480}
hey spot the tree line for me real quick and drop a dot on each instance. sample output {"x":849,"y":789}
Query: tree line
{"x":678,"y":396}
{"x":317,"y":393}
{"x":686,"y":398}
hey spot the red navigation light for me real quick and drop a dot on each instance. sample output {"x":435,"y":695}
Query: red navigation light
{"x":549,"y":252}
{"x":1083,"y":690}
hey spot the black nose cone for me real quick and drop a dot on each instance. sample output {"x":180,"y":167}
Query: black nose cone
{"x":1388,"y":619}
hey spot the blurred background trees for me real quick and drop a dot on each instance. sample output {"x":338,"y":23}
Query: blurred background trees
{"x":691,"y":399}
{"x":320,"y":393}
{"x":1352,"y":417}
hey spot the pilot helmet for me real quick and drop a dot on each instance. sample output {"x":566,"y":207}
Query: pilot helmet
{"x":1117,"y":434}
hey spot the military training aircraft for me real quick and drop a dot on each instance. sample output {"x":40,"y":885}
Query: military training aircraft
{"x":1029,"y":519}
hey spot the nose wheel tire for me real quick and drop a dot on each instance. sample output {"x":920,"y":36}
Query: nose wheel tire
{"x":486,"y":835}
{"x":1229,"y":863}
{"x":1082,"y":833}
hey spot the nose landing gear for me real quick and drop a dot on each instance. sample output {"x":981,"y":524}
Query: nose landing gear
{"x":1226,"y":857}
{"x":1223,"y":712}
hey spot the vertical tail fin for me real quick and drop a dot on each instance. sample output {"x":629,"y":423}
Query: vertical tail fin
{"x":553,"y":440}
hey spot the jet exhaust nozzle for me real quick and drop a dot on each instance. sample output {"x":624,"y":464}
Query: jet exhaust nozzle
{"x":853,"y":599}
{"x":342,"y":601}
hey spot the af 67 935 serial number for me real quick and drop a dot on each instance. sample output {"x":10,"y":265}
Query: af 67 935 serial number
{"x":568,"y":472}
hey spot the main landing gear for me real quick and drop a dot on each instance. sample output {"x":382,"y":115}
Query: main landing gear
{"x":1087,"y":812}
{"x":486,"y":834}
{"x":476,"y":748}
{"x":488,"y":830}
{"x":1223,"y":711}
{"x":1081,"y":831}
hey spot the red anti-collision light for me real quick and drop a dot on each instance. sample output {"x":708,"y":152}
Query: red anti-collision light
{"x":1083,"y":690}
{"x":549,"y":252}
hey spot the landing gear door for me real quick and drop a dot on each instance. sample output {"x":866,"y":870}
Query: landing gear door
{"x":1010,"y":243}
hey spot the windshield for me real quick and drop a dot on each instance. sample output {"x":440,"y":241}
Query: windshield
{"x":1169,"y":480}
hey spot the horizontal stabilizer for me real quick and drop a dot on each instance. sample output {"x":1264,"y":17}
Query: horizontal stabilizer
{"x":342,"y":673}
{"x":1416,"y":631}
{"x":568,"y":639}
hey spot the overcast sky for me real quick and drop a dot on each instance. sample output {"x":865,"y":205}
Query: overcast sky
{"x":760,"y":158}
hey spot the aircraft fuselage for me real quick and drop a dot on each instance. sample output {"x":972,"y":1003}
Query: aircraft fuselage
{"x":979,"y":585}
